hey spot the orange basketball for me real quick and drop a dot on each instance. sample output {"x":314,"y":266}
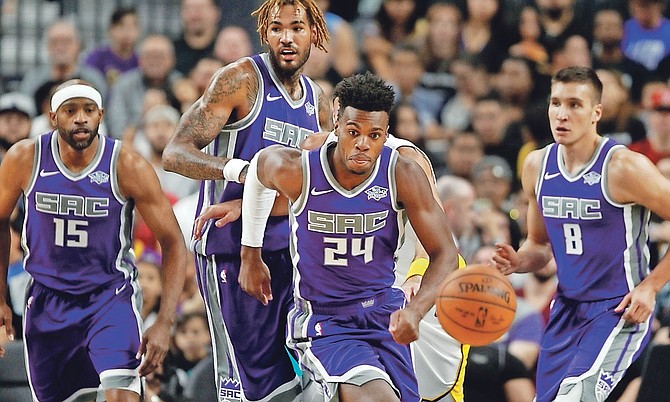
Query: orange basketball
{"x":476,"y":305}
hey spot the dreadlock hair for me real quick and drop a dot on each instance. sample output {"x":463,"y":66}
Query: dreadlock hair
{"x":314,"y":16}
{"x":364,"y":92}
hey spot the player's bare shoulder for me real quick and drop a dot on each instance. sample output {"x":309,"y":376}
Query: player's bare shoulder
{"x":236,"y":82}
{"x":625,"y":167}
{"x":133,"y":171}
{"x":18,"y":161}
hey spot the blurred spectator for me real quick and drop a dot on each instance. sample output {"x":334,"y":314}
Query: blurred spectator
{"x":458,"y":198}
{"x":63,"y":48}
{"x":657,"y":144}
{"x":516,"y":85}
{"x":158,"y":124}
{"x":16,"y":112}
{"x":156,"y":71}
{"x":406,"y":78}
{"x":560,"y":21}
{"x":535,"y":131}
{"x":495,"y":375}
{"x":404,"y":123}
{"x":574,"y":51}
{"x":530,"y":32}
{"x":607,"y":52}
{"x":464,"y":150}
{"x":41,"y":123}
{"x":472,"y":81}
{"x":232,"y":43}
{"x":187,"y":90}
{"x":149,"y":266}
{"x":492,"y":178}
{"x":618,"y":121}
{"x":394,"y":23}
{"x":199,"y":20}
{"x":539,"y":288}
{"x":481,"y":18}
{"x":341,"y":59}
{"x":119,"y":55}
{"x":490,"y":121}
{"x":191,"y":344}
{"x":441,"y":47}
{"x":646,"y":37}
{"x":524,"y":336}
{"x":202,"y":74}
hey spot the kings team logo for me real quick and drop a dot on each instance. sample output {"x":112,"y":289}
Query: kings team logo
{"x":229,"y":390}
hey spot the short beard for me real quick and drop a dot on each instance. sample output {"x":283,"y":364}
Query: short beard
{"x":283,"y":73}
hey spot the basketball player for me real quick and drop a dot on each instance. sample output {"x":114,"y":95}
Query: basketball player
{"x":439,"y":359}
{"x":82,"y":323}
{"x":586,"y":212}
{"x":251,"y":104}
{"x":348,"y":213}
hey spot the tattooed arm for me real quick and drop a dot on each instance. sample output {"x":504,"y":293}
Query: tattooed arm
{"x":230,"y":96}
{"x":326,"y":117}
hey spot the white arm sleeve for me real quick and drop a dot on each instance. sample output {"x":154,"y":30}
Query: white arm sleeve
{"x":257,"y":202}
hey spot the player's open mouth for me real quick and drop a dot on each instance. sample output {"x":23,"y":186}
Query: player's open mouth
{"x":81,"y":133}
{"x":288,"y":54}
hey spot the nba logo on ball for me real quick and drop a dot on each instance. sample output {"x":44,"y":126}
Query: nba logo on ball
{"x":476,"y":305}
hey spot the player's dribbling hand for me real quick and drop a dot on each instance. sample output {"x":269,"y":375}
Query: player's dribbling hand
{"x":404,"y":326}
{"x":154,"y":346}
{"x":224,"y":213}
{"x":505,"y":259}
{"x":6,"y":324}
{"x":254,"y":277}
{"x":640,"y":302}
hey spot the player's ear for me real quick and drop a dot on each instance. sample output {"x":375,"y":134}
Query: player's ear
{"x":52,"y":119}
{"x":313,"y":30}
{"x":597,"y":113}
{"x":336,"y":126}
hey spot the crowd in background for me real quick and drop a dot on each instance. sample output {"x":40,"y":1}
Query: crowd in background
{"x":471,"y":79}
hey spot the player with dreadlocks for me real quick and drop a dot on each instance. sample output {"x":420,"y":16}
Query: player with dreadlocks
{"x":250,"y":104}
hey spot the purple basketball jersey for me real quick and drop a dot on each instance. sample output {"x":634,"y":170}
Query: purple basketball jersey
{"x":600,"y":246}
{"x":77,"y":231}
{"x":345,"y":241}
{"x":274,"y":119}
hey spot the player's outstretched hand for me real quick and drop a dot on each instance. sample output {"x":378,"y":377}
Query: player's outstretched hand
{"x":411,"y":286}
{"x":640,"y":302}
{"x":254,"y":277}
{"x":404,"y":326}
{"x":505,"y":259}
{"x":6,"y":323}
{"x":224,"y":213}
{"x":155,"y":344}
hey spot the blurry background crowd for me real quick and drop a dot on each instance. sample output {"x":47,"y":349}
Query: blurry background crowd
{"x":471,"y":78}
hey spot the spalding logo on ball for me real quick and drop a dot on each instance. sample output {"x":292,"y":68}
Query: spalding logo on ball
{"x":476,"y":305}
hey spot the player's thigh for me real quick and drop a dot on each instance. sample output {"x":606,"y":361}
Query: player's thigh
{"x":372,"y":391}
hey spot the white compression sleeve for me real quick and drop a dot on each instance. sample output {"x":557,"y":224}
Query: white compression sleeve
{"x":257,"y":202}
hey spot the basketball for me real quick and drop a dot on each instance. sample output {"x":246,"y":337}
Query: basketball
{"x":476,"y":305}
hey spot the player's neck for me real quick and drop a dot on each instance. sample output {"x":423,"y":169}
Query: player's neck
{"x":77,"y":160}
{"x":579,"y":153}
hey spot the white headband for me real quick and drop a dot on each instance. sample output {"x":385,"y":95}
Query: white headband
{"x":75,"y":91}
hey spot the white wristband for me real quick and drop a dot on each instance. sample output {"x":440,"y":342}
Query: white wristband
{"x":233,"y":168}
{"x":257,"y":202}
